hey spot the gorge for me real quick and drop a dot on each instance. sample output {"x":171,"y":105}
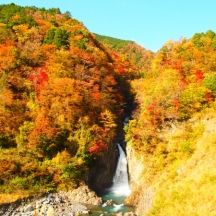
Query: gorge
{"x":64,"y":146}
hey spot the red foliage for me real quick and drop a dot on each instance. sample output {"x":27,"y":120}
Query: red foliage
{"x":98,"y":147}
{"x":39,"y":78}
{"x":115,"y":55}
{"x":151,"y":107}
{"x":208,"y":97}
{"x":155,"y":113}
{"x":96,"y":96}
{"x":121,"y":69}
{"x":42,"y":77}
{"x":199,"y":75}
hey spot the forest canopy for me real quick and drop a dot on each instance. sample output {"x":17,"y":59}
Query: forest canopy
{"x":62,"y":96}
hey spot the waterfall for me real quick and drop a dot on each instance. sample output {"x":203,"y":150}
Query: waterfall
{"x":120,"y":185}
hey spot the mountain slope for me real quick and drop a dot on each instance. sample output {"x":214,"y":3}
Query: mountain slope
{"x":139,"y":57}
{"x":60,"y":102}
{"x":64,"y":92}
{"x":172,"y":135}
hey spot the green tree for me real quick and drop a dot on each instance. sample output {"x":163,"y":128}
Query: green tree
{"x":57,"y":36}
{"x":210,"y":82}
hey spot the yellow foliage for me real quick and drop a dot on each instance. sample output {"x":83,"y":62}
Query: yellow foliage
{"x":21,"y":32}
{"x":12,"y":197}
{"x":107,"y":118}
{"x":186,"y":185}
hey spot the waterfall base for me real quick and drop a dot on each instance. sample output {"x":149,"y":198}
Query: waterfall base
{"x":114,"y":196}
{"x":120,"y":191}
{"x":116,"y":206}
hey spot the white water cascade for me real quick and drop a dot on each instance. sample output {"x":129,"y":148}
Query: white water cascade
{"x":120,"y":185}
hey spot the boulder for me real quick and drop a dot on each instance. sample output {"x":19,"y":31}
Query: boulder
{"x":84,"y":195}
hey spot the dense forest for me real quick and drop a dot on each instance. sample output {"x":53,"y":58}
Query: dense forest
{"x":64,"y":93}
{"x":129,"y":51}
{"x":173,"y":128}
{"x":62,"y":99}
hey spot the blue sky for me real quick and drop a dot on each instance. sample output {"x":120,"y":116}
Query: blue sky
{"x":148,"y":22}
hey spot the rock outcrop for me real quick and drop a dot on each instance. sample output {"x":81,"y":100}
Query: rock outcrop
{"x":55,"y":204}
{"x":51,"y":205}
{"x":142,"y":195}
{"x":102,"y":171}
{"x":83,"y":195}
{"x":135,"y":166}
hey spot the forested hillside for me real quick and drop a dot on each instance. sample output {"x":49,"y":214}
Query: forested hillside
{"x":64,"y":93}
{"x":128,"y":51}
{"x":173,"y":130}
{"x":62,"y":96}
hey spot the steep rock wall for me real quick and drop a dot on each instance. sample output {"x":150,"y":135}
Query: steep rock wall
{"x":103,"y":169}
{"x":142,"y":194}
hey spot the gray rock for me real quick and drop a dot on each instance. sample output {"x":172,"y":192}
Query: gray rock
{"x":47,"y":201}
{"x":85,"y":212}
{"x":108,"y":203}
{"x":55,"y":204}
{"x":84,"y":195}
{"x":28,"y":208}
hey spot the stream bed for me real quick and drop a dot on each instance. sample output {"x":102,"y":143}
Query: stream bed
{"x":112,"y":209}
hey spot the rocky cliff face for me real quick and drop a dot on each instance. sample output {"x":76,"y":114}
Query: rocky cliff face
{"x":142,"y":195}
{"x":135,"y":166}
{"x":103,"y":169}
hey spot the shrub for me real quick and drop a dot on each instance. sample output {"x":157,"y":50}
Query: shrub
{"x":186,"y":147}
{"x":210,"y":82}
{"x":71,"y":174}
{"x":57,"y":36}
{"x":191,"y":99}
{"x":19,"y":182}
{"x":82,"y":43}
{"x":22,"y":137}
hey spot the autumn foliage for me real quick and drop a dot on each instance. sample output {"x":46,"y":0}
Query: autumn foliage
{"x":64,"y":92}
{"x":179,"y":83}
{"x":60,"y":97}
{"x":98,"y":147}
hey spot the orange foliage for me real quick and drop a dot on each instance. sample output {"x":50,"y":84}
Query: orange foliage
{"x":154,"y":112}
{"x":43,"y":126}
{"x":176,"y":104}
{"x":98,"y":147}
{"x":209,"y":97}
{"x":6,"y":55}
